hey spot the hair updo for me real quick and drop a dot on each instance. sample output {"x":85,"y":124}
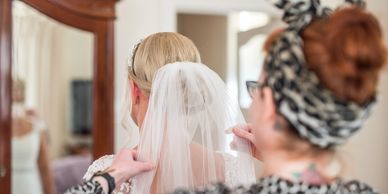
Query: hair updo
{"x":346,"y":51}
{"x":158,"y":50}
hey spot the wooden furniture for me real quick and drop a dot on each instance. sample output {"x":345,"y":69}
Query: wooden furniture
{"x":95,"y":16}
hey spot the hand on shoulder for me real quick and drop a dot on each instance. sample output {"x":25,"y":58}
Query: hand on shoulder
{"x":125,"y":165}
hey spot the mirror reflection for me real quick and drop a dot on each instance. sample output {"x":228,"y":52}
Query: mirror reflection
{"x":52,"y":102}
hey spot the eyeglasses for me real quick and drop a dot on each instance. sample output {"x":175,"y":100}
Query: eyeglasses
{"x":253,"y":86}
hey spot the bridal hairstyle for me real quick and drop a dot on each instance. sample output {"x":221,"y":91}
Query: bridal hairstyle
{"x":189,"y":110}
{"x":156,"y":51}
{"x":147,"y":57}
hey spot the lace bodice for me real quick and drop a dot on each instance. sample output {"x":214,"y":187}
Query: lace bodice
{"x":231,"y":171}
{"x":231,"y":175}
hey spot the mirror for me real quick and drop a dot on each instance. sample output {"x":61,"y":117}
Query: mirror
{"x":51,"y":102}
{"x":96,"y":18}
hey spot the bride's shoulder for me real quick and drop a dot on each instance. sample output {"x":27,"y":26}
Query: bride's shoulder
{"x":98,"y":165}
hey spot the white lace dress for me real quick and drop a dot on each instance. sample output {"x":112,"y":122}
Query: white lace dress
{"x":231,"y":171}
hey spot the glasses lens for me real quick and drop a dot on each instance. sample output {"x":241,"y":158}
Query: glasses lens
{"x":252,"y":88}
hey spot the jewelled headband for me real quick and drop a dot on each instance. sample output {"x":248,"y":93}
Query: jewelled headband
{"x":131,"y":59}
{"x":313,"y":110}
{"x":140,"y":80}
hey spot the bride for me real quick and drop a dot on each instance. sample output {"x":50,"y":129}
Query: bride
{"x":183,"y":110}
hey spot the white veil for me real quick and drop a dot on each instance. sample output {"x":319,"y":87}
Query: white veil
{"x":183,"y":132}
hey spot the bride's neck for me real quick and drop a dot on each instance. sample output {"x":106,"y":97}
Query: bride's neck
{"x":314,"y":170}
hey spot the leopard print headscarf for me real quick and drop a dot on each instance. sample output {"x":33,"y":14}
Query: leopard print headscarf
{"x":313,"y":110}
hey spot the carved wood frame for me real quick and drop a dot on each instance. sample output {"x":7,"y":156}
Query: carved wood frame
{"x":95,"y":16}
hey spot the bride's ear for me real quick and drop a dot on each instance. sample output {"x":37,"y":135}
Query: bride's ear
{"x":135,"y":92}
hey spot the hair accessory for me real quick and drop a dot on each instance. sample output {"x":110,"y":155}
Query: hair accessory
{"x":313,"y":110}
{"x":132,"y":56}
{"x":299,"y":13}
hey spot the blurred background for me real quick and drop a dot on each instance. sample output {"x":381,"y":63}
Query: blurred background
{"x":53,"y":66}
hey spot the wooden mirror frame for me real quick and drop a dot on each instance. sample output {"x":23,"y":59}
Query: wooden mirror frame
{"x":95,"y":16}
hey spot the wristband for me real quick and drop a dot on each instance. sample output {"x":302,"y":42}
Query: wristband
{"x":109,"y":179}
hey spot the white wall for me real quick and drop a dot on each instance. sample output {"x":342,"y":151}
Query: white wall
{"x":72,"y":58}
{"x":136,"y":19}
{"x":366,"y":154}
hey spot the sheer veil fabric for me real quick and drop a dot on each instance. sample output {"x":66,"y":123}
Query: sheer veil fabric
{"x":184,"y":132}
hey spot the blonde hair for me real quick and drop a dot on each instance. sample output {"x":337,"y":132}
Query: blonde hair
{"x":158,"y":50}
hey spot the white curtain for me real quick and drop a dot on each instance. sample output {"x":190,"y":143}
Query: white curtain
{"x":32,"y":36}
{"x":34,"y":64}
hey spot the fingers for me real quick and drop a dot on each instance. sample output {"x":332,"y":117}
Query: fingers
{"x":147,"y":166}
{"x":242,"y":131}
{"x":244,"y":134}
{"x":246,"y":127}
{"x":134,"y":154}
{"x":236,"y":143}
{"x":125,"y":152}
{"x":144,"y":166}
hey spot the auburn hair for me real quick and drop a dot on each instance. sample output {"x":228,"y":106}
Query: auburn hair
{"x":346,"y":51}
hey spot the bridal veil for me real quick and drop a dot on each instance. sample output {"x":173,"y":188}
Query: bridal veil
{"x":184,"y":132}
